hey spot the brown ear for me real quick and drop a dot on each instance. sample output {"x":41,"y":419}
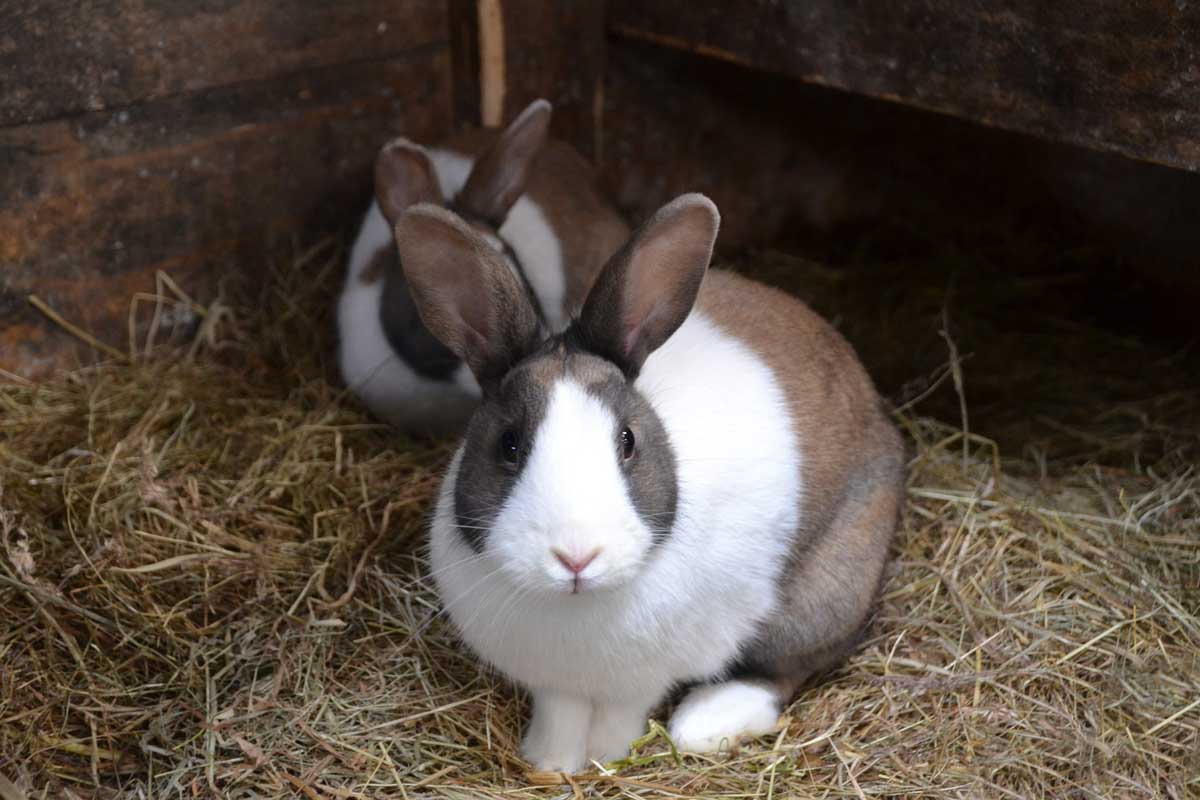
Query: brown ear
{"x":648,"y":287}
{"x":466,"y":294}
{"x":404,"y":177}
{"x":500,"y":174}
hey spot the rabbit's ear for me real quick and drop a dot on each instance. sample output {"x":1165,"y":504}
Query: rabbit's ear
{"x":648,"y":287}
{"x":466,"y":294}
{"x":404,"y":177}
{"x":500,"y":174}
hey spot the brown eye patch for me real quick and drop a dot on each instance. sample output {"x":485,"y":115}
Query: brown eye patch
{"x":497,"y":444}
{"x":505,"y":426}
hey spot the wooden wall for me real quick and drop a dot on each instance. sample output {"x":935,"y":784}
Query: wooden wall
{"x":793,"y":163}
{"x":182,"y":135}
{"x":1117,"y":76}
{"x":553,"y":49}
{"x":190,"y":135}
{"x":787,"y":160}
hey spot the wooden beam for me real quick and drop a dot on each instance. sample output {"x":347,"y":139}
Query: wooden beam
{"x":58,"y":59}
{"x":790,"y":163}
{"x":1122,"y":77}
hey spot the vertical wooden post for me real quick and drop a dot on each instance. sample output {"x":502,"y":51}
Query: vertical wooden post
{"x":491,"y":62}
{"x":525,"y":49}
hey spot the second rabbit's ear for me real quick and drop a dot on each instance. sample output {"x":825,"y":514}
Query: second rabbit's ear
{"x":466,"y":294}
{"x":404,"y":176}
{"x":501,"y":172}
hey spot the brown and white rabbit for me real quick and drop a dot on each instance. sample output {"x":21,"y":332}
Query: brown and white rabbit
{"x":532,"y":200}
{"x":694,"y":483}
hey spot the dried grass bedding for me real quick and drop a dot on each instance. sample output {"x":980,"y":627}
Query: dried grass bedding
{"x":212,"y":585}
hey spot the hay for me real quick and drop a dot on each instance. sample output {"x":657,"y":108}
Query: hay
{"x":212,"y":585}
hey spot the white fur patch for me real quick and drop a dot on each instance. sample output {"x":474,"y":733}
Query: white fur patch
{"x":688,"y":608}
{"x":452,"y":171}
{"x":615,"y":725}
{"x":556,"y":739}
{"x":374,"y":235}
{"x":571,"y":498}
{"x":717,"y":717}
{"x":527,"y":232}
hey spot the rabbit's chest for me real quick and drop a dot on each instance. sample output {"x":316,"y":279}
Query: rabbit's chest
{"x":611,"y":644}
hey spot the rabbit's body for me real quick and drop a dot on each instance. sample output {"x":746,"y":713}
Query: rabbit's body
{"x":659,"y":497}
{"x":682,"y":618}
{"x":559,"y":231}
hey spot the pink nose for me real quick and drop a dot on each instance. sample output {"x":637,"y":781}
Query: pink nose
{"x":575,"y":565}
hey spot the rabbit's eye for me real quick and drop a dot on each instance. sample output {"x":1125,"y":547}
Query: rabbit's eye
{"x":627,"y":443}
{"x":510,"y":447}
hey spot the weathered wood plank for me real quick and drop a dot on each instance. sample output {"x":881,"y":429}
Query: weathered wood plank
{"x":796,"y":164}
{"x":195,"y":184}
{"x":464,"y":60}
{"x":675,"y":122}
{"x":556,"y":50}
{"x":1123,"y":77}
{"x":541,"y":48}
{"x":64,"y":58}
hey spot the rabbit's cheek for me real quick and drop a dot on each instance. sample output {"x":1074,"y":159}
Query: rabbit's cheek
{"x":569,"y":523}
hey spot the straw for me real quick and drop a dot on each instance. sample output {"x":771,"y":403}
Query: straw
{"x":213,"y":584}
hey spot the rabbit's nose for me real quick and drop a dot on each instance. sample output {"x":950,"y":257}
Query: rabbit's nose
{"x":575,"y":564}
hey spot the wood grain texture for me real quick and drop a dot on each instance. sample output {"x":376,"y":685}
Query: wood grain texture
{"x":556,"y":50}
{"x":763,"y":147}
{"x":464,"y":59}
{"x":1123,"y":77}
{"x":196,"y":185}
{"x":794,"y":164}
{"x":550,"y":49}
{"x":65,"y":58}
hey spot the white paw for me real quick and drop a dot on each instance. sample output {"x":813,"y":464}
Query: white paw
{"x":610,"y":737}
{"x":547,"y":755}
{"x":615,"y":726}
{"x":557,"y":737}
{"x":720,"y":715}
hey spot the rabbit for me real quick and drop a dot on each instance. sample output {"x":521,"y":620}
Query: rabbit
{"x":533,"y":200}
{"x":694,"y":484}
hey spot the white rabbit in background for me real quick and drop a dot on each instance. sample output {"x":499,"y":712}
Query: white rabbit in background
{"x":532,"y":200}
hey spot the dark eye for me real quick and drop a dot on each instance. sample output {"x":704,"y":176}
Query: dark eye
{"x":627,"y":443}
{"x":510,"y":447}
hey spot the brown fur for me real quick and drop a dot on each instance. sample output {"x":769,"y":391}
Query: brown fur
{"x":378,"y":266}
{"x":852,"y":463}
{"x":564,"y":186}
